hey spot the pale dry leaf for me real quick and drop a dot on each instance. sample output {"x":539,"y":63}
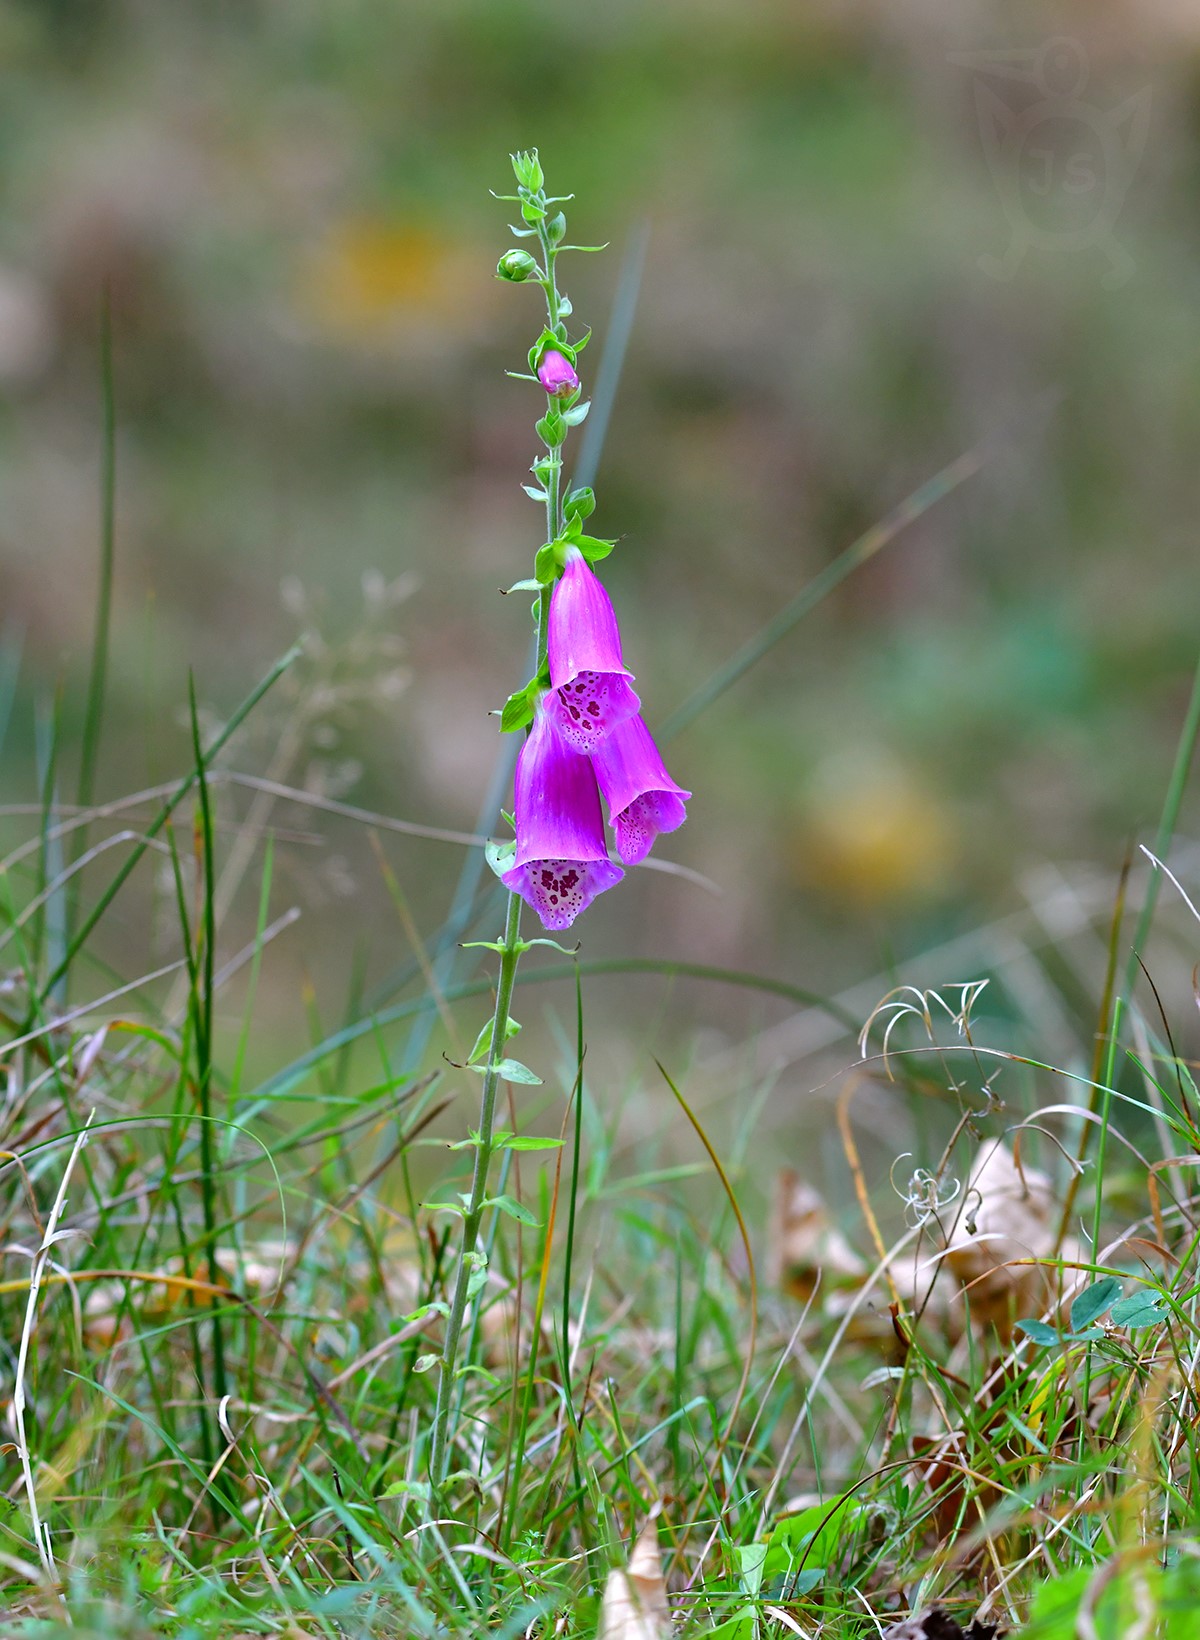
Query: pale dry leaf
{"x":804,"y":1246}
{"x":1009,"y":1213}
{"x":635,"y":1596}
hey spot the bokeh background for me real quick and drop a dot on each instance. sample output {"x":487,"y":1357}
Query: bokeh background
{"x":880,"y":235}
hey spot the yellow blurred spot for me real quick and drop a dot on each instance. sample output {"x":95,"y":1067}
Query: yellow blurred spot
{"x":371,"y":275}
{"x":870,"y":833}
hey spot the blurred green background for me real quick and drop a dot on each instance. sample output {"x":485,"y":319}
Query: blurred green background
{"x":288,"y":201}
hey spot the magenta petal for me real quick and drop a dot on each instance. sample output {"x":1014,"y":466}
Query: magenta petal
{"x":642,"y":798}
{"x":591,"y":685}
{"x":561,"y":861}
{"x":557,"y":374}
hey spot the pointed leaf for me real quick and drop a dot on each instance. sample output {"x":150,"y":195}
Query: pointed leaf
{"x":515,"y":1209}
{"x":594,"y":550}
{"x":485,"y":1036}
{"x":546,"y":564}
{"x":1039,"y":1332}
{"x":512,"y":1070}
{"x":1093,"y":1301}
{"x":500,"y":856}
{"x":1141,"y":1309}
{"x":517,"y":713}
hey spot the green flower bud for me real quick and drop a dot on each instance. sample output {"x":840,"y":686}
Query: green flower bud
{"x":516,"y":266}
{"x":556,"y":228}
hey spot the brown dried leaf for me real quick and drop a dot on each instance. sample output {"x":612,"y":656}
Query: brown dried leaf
{"x":936,"y":1625}
{"x":635,"y":1597}
{"x":804,"y":1245}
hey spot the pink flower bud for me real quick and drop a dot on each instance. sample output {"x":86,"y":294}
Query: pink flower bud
{"x":557,"y":375}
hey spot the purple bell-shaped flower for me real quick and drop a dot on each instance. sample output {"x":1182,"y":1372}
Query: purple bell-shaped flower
{"x":561,"y":862}
{"x":642,"y":798}
{"x":591,"y":690}
{"x":557,"y":374}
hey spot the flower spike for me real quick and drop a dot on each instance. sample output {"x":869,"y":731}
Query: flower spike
{"x":591,"y":686}
{"x":642,"y":798}
{"x":561,"y":861}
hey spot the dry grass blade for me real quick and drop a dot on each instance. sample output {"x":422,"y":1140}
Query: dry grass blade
{"x":50,"y":1237}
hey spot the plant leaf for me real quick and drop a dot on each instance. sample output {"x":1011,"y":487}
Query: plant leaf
{"x":1093,"y":1301}
{"x":1141,"y":1309}
{"x":512,"y":1070}
{"x":1039,"y":1332}
{"x":500,"y":855}
{"x":515,"y":1209}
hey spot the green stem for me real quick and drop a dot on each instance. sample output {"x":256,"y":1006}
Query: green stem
{"x":511,"y":947}
{"x":554,"y":478}
{"x":509,"y":957}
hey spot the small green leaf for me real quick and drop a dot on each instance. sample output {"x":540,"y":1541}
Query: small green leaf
{"x":546,"y":565}
{"x":523,"y":586}
{"x":805,"y":1581}
{"x":512,"y":1070}
{"x":1039,"y":1332}
{"x":421,"y":1490}
{"x":485,"y":1036}
{"x":577,"y":413}
{"x":518,"y":711}
{"x":580,"y":503}
{"x":593,"y":548}
{"x":1093,"y":1301}
{"x":552,"y":429}
{"x":1141,"y":1309}
{"x":500,"y":856}
{"x":555,"y":340}
{"x":528,"y":1141}
{"x":477,"y":1280}
{"x":514,"y":1209}
{"x":424,"y":1362}
{"x":534,"y":494}
{"x":751,"y":1558}
{"x":444,"y":1207}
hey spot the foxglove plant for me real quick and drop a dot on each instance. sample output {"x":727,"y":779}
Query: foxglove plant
{"x":584,"y":736}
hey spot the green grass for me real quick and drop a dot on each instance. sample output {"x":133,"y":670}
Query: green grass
{"x":230,"y":1268}
{"x":227,"y":1401}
